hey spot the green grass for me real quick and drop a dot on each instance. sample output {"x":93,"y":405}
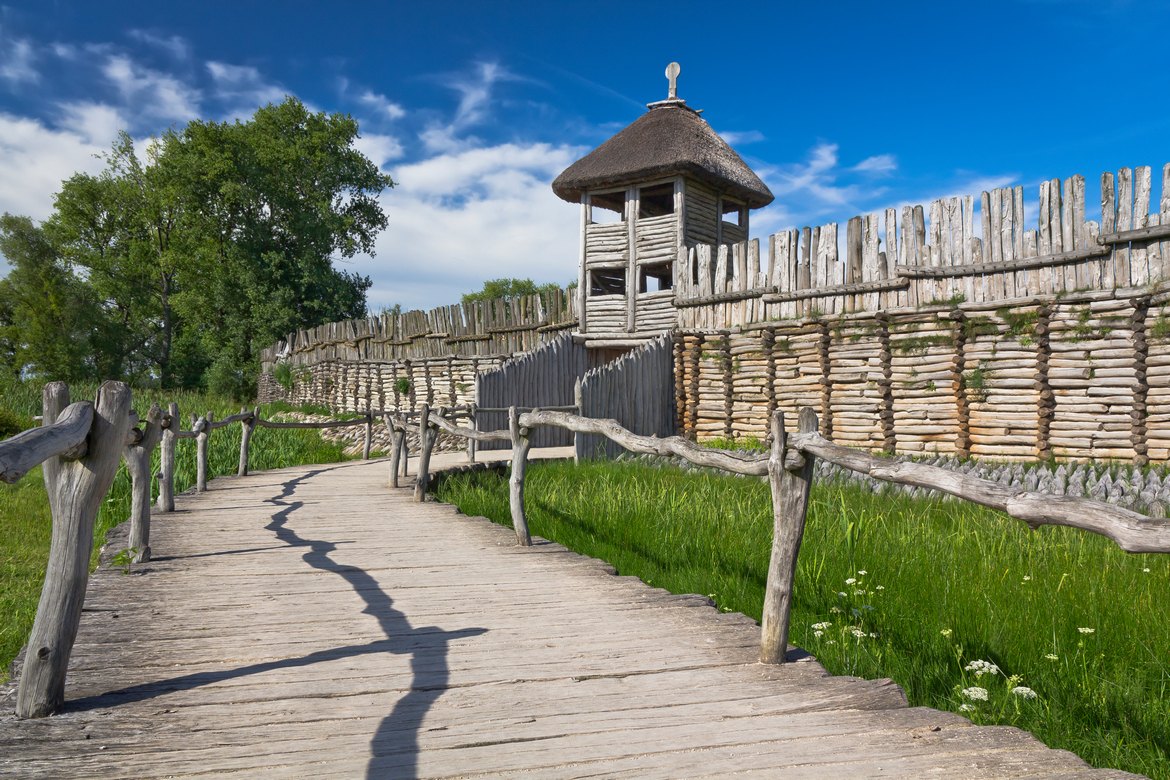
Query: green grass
{"x":937,"y":585}
{"x":26,"y":525}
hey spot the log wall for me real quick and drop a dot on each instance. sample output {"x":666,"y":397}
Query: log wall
{"x":634,"y":390}
{"x":1078,"y":376}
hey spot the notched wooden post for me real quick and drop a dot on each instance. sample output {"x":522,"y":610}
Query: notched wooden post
{"x":137,"y":457}
{"x":790,"y":475}
{"x":472,"y":444}
{"x":166,"y":475}
{"x":397,"y":435}
{"x":248,"y":427}
{"x":76,"y":490}
{"x":424,"y":456}
{"x":520,"y":445}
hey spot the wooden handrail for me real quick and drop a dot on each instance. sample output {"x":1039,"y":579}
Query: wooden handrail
{"x":65,"y":438}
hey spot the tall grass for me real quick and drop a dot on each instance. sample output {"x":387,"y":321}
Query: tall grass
{"x":911,"y":589}
{"x":26,"y":524}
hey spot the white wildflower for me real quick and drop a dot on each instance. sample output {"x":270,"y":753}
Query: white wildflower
{"x":830,"y":641}
{"x":821,"y":626}
{"x":862,"y":573}
{"x":851,"y":580}
{"x":1026,"y":578}
{"x":946,"y":632}
{"x":838,"y":610}
{"x":1052,"y":656}
{"x":879,"y":587}
{"x":818,"y":633}
{"x":873,"y":636}
{"x":1145,"y":570}
{"x":1024,"y":692}
{"x":857,"y":632}
{"x":868,"y":607}
{"x":842,"y":594}
{"x":1086,"y":630}
{"x":966,"y":708}
{"x":981,"y":668}
{"x":976,"y":693}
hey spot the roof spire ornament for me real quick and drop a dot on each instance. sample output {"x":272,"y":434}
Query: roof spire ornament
{"x":672,"y":71}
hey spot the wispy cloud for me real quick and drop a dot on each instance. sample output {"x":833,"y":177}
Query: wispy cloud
{"x":16,"y":61}
{"x":882,"y":164}
{"x":154,"y":94}
{"x":734,"y":138}
{"x":242,"y":88}
{"x":381,"y":105}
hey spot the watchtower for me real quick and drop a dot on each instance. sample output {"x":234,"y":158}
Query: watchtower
{"x":665,"y":183}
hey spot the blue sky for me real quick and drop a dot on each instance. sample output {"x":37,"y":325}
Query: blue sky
{"x":842,"y":108}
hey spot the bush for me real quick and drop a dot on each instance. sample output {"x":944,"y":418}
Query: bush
{"x":10,"y":424}
{"x":282,"y":372}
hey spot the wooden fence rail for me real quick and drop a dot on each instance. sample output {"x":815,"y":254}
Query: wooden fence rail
{"x":789,"y":467}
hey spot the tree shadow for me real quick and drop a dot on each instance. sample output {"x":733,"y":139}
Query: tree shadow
{"x":394,"y":745}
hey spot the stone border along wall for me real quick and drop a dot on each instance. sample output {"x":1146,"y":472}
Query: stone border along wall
{"x":1078,"y":376}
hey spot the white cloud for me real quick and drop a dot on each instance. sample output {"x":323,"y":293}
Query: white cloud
{"x":734,"y":138}
{"x":460,"y":218}
{"x":243,"y":88}
{"x":881,"y":164}
{"x":155,"y":95}
{"x":16,"y":62}
{"x":379,"y":148}
{"x":35,"y":159}
{"x":383,"y":106}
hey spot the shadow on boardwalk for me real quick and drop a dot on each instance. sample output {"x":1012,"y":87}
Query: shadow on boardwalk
{"x":394,"y":746}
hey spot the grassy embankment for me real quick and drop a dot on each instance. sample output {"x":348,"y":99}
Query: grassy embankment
{"x":25,"y":523}
{"x":911,"y":589}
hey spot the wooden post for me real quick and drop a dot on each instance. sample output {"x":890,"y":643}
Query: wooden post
{"x":202,"y":432}
{"x":76,"y":490}
{"x":397,"y":435}
{"x":405,"y":445}
{"x":579,"y":402}
{"x":424,"y":456}
{"x":137,"y":457}
{"x":247,"y":427}
{"x":520,"y":445}
{"x":472,"y":444}
{"x":166,"y":475}
{"x":790,"y":475}
{"x":369,"y":435}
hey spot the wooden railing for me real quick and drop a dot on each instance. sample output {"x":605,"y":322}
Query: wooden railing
{"x":789,"y":468}
{"x":81,"y":445}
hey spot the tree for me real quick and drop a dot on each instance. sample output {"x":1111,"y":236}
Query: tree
{"x":51,"y":324}
{"x":217,"y":244}
{"x":508,"y":288}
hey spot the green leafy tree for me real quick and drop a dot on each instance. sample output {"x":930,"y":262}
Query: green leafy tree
{"x":508,"y":288}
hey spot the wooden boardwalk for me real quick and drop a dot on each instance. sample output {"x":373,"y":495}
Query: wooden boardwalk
{"x":313,"y":623}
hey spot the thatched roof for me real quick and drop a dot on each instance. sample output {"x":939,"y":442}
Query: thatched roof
{"x":668,"y":139}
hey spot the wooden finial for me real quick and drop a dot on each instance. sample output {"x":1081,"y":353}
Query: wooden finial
{"x":672,"y":71}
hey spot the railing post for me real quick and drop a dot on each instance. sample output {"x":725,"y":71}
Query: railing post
{"x":166,"y":474}
{"x":578,"y":444}
{"x":247,"y":427}
{"x":472,"y":444}
{"x":397,"y":436}
{"x":76,"y":490}
{"x":520,"y":445}
{"x":424,"y":456}
{"x":790,"y":475}
{"x":202,"y":432}
{"x":137,"y":457}
{"x":369,"y":435}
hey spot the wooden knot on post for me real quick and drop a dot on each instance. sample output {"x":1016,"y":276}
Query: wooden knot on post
{"x":520,"y":445}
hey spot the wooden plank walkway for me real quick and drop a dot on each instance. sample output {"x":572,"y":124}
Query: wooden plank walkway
{"x":313,"y":623}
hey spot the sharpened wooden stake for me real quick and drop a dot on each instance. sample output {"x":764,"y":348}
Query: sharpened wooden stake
{"x":76,"y":490}
{"x":248,"y":427}
{"x":520,"y":446}
{"x":166,"y":475}
{"x":424,"y":456}
{"x":472,"y":444}
{"x":790,"y":476}
{"x":137,"y":457}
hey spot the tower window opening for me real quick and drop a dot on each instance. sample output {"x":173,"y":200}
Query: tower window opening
{"x":733,"y":213}
{"x":656,"y":201}
{"x":607,"y":281}
{"x":607,"y":207}
{"x":656,"y":278}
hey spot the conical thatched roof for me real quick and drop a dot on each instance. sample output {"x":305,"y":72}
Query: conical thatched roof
{"x":668,"y":139}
